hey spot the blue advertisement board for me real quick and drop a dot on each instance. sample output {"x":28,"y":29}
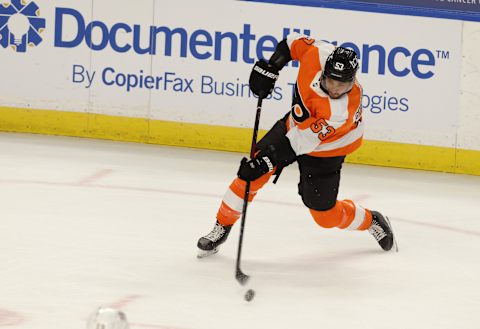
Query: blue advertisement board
{"x":468,"y":10}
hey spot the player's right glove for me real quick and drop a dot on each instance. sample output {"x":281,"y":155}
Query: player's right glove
{"x":251,"y":170}
{"x":263,"y":78}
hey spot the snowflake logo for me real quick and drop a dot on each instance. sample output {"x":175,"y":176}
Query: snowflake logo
{"x":20,"y":24}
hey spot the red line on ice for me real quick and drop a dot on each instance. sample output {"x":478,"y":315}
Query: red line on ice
{"x":94,"y":177}
{"x":124,"y":301}
{"x":156,"y":190}
{"x":10,"y":318}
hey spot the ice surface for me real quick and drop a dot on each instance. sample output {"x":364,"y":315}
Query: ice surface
{"x":88,"y":223}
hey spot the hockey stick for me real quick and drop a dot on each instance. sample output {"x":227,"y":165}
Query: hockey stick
{"x":241,"y":277}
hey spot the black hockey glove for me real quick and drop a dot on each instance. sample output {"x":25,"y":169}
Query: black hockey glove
{"x":251,"y":170}
{"x":263,"y":78}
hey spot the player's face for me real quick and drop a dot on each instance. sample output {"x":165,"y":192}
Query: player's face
{"x":336,"y":88}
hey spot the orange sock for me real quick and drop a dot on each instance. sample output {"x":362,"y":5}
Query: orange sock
{"x":344,"y":215}
{"x":232,"y":203}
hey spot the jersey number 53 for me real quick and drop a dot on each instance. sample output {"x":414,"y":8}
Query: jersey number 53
{"x":322,"y":128}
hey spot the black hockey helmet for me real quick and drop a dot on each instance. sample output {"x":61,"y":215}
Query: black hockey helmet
{"x":341,"y":64}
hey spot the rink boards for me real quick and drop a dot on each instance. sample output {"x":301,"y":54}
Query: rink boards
{"x":176,"y":74}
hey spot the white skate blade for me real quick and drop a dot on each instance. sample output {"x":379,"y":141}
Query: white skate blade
{"x":395,"y":245}
{"x":206,"y":253}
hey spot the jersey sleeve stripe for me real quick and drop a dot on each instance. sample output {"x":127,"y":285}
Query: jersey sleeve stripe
{"x":303,"y":141}
{"x":343,"y":141}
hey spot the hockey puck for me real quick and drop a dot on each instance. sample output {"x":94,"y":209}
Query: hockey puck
{"x":249,"y":295}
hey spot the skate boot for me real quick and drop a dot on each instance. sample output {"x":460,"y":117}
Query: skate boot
{"x":208,"y":244}
{"x":381,"y":230}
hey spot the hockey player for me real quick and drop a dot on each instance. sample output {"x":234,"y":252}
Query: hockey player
{"x":324,"y":125}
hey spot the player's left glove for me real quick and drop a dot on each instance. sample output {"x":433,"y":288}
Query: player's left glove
{"x":262,"y":78}
{"x":251,"y":170}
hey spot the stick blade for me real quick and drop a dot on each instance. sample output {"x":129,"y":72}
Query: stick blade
{"x":241,"y":277}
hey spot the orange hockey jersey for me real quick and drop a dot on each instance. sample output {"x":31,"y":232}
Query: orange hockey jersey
{"x":317,"y":124}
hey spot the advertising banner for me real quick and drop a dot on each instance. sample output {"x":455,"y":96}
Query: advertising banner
{"x":183,"y":61}
{"x":472,"y":6}
{"x":468,"y":10}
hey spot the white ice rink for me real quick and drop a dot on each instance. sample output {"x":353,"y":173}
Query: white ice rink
{"x":88,"y":223}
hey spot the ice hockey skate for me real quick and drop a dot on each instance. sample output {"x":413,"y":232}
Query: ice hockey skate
{"x":209,"y":244}
{"x":381,"y":229}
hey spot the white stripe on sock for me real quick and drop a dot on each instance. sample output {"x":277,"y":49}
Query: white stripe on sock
{"x":359,"y":218}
